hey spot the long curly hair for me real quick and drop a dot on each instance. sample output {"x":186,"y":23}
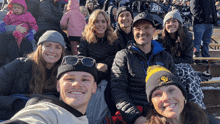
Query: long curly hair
{"x":89,"y":31}
{"x":191,"y":114}
{"x":39,"y":84}
{"x":174,"y":48}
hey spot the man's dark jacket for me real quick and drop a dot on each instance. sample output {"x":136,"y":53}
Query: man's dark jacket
{"x":203,"y":11}
{"x":123,"y":37}
{"x":128,"y":77}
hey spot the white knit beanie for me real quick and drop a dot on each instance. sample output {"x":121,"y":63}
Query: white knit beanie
{"x":172,"y":15}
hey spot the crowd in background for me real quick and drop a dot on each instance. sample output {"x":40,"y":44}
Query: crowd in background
{"x":36,"y":34}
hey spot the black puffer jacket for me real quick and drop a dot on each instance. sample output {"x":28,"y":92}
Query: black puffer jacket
{"x":184,"y":55}
{"x":203,"y":11}
{"x":15,"y":77}
{"x":128,"y":77}
{"x":123,"y":37}
{"x":101,"y":51}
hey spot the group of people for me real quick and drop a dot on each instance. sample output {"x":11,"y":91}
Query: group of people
{"x":122,"y":76}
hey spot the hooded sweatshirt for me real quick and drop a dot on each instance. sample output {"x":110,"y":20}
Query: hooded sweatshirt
{"x":113,"y":21}
{"x":73,"y":19}
{"x":26,"y":18}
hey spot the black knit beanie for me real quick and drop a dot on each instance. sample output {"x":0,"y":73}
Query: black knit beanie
{"x":158,"y":76}
{"x":122,"y":9}
{"x":64,"y":67}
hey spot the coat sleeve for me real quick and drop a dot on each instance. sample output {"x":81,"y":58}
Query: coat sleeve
{"x":83,"y":50}
{"x":169,"y":63}
{"x":187,"y":53}
{"x":7,"y":75}
{"x":46,"y":12}
{"x":195,"y":9}
{"x":118,"y":85}
{"x":32,"y":22}
{"x":64,"y":20}
{"x":34,"y":115}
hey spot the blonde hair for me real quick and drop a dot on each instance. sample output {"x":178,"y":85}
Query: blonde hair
{"x":89,"y":31}
{"x":83,"y":8}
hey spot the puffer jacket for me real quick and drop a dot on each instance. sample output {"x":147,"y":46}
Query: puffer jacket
{"x":32,"y":6}
{"x":183,"y":56}
{"x":73,"y":19}
{"x":128,"y":77}
{"x":203,"y":11}
{"x":26,"y":17}
{"x":101,"y":51}
{"x":50,"y":14}
{"x":15,"y":77}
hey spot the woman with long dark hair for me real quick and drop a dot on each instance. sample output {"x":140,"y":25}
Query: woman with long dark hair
{"x":179,"y":43}
{"x":35,"y":74}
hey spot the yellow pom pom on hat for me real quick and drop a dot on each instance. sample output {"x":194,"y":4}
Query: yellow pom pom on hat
{"x":158,"y":76}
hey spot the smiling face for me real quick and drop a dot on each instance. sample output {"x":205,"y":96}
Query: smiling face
{"x":100,"y":25}
{"x":51,"y":53}
{"x":17,"y":9}
{"x":143,"y":32}
{"x":125,"y":19}
{"x":168,"y":101}
{"x":76,"y":89}
{"x":172,"y":25}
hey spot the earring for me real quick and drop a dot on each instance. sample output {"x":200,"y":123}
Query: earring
{"x":185,"y":101}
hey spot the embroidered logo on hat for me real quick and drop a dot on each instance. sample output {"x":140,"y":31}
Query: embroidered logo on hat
{"x":124,"y":8}
{"x":164,"y":80}
{"x":171,"y":16}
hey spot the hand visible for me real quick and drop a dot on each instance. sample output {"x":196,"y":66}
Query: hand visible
{"x":141,"y":120}
{"x":102,"y":67}
{"x":21,"y":29}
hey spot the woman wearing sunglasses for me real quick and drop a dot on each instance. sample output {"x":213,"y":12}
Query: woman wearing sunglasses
{"x":98,"y":42}
{"x":168,"y":99}
{"x":35,"y":74}
{"x":178,"y":42}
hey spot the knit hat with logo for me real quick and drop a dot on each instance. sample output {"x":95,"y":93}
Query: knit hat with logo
{"x":158,"y":76}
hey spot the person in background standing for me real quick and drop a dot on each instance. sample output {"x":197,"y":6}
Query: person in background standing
{"x":204,"y":15}
{"x":74,"y":21}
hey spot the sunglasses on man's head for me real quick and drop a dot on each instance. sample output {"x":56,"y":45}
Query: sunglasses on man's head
{"x":73,"y":60}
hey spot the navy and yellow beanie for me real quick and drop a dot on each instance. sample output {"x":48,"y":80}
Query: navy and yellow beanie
{"x":158,"y":76}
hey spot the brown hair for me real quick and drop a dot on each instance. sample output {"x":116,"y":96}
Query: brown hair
{"x":167,"y":42}
{"x":39,"y":84}
{"x":191,"y":114}
{"x":89,"y":31}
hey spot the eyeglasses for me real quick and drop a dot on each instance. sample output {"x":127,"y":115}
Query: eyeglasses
{"x":73,"y":60}
{"x":146,"y":28}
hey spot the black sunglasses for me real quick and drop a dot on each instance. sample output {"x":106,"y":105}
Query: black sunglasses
{"x":73,"y":60}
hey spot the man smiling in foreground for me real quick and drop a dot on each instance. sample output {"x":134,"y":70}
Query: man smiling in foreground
{"x":77,"y":76}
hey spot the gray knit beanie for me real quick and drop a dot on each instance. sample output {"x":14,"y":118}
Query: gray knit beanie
{"x":173,"y":15}
{"x":52,"y":36}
